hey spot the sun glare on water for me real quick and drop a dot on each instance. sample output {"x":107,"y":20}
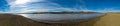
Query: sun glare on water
{"x":23,"y":15}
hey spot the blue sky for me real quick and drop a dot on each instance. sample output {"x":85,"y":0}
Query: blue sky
{"x":3,"y":6}
{"x":59,"y":5}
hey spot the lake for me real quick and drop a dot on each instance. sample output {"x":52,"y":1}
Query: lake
{"x":61,"y":18}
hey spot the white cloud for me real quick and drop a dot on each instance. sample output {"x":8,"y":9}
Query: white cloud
{"x":22,"y":6}
{"x":17,"y":6}
{"x":22,"y":1}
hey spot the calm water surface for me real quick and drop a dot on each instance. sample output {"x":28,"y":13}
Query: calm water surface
{"x":58,"y":18}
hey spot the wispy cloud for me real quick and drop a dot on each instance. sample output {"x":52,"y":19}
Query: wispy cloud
{"x":81,"y":6}
{"x":21,"y":6}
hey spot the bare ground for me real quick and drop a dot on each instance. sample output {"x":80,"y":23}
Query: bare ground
{"x":111,"y":19}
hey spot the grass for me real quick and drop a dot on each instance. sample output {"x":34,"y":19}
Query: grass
{"x":111,"y":19}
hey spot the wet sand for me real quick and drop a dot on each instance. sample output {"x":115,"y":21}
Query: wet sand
{"x":111,"y":19}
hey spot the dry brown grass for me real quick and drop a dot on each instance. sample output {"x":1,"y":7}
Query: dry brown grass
{"x":111,"y":19}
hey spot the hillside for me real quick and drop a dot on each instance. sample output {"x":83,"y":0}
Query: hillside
{"x":111,"y":19}
{"x":15,"y":20}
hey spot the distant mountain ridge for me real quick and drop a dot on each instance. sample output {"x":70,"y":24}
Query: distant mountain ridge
{"x":82,"y":12}
{"x":61,"y":12}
